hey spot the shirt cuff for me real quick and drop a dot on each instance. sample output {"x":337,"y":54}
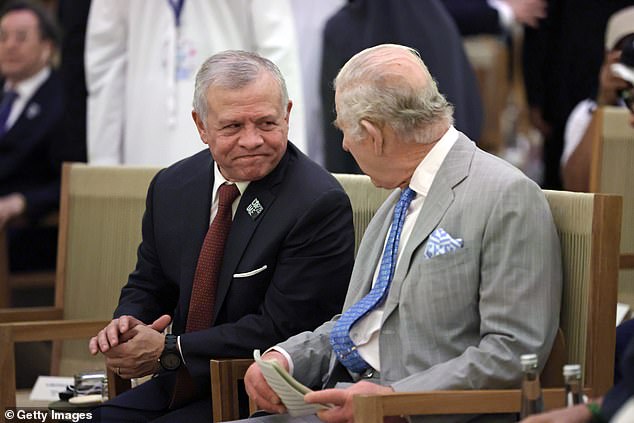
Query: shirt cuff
{"x":507,"y":18}
{"x":286,"y":355}
{"x":180,"y":351}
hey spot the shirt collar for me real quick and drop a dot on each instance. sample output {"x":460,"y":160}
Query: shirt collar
{"x":27,"y":87}
{"x":427,"y":169}
{"x":219,"y":180}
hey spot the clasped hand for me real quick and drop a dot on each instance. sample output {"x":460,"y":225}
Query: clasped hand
{"x":131,"y":347}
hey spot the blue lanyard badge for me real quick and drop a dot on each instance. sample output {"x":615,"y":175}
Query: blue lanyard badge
{"x":177,"y":8}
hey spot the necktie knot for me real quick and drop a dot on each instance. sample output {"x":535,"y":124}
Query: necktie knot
{"x":227,"y":193}
{"x":407,"y":195}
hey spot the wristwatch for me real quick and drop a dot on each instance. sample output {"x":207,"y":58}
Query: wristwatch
{"x":170,"y":357}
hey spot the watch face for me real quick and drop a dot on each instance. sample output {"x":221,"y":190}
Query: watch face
{"x":170,"y":361}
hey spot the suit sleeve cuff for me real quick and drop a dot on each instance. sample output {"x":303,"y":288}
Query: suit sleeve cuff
{"x":180,"y":351}
{"x":286,"y":355}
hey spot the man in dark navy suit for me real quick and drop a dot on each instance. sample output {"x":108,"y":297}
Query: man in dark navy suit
{"x":31,"y":112}
{"x":287,"y":257}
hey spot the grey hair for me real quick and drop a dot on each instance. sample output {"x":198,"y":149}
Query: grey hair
{"x":233,"y":69}
{"x":367,"y":90}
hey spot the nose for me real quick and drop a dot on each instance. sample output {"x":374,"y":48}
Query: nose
{"x":251,"y":137}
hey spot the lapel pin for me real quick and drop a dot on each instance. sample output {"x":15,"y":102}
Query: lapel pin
{"x":254,"y":209}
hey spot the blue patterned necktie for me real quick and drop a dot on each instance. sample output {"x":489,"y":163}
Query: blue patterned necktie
{"x":5,"y":109}
{"x":340,"y":340}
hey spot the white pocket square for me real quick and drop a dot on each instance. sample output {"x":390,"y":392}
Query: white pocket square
{"x":440,"y":242}
{"x":250,"y":273}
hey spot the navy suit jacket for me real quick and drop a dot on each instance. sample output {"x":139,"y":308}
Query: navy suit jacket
{"x":304,"y":236}
{"x":423,"y":25}
{"x":29,"y":160}
{"x":474,"y":16}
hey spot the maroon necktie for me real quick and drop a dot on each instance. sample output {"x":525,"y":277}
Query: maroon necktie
{"x":201,"y":302}
{"x":203,"y":298}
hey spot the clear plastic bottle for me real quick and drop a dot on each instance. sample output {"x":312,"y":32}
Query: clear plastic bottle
{"x":532,"y":401}
{"x":572,"y":380}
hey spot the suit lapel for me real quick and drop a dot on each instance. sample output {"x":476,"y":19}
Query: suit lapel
{"x":196,"y":194}
{"x":30,"y":116}
{"x":454,"y":169}
{"x":244,"y":225}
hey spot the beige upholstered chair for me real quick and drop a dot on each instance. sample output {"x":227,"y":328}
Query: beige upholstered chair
{"x":365,"y":199}
{"x":100,"y":221}
{"x":589,"y":230}
{"x":612,"y":172}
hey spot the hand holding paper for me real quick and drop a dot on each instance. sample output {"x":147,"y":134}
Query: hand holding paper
{"x":287,"y":388}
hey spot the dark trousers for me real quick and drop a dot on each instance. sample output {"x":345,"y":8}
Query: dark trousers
{"x":149,"y":402}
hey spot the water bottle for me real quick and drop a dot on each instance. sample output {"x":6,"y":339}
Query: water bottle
{"x":572,"y":380}
{"x":532,"y":401}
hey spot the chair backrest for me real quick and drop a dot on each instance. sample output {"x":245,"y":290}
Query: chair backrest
{"x":100,"y":230}
{"x":365,"y":199}
{"x":589,"y":229}
{"x":612,"y":172}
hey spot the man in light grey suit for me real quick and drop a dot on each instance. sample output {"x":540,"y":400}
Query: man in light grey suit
{"x":477,"y":279}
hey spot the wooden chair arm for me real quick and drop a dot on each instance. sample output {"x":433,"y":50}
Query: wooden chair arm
{"x":225,"y":374}
{"x":372,"y":408}
{"x":23,"y":314}
{"x":51,"y":330}
{"x":116,"y":384}
{"x":626,"y":261}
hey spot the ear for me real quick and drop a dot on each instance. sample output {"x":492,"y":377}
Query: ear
{"x":289,"y":106}
{"x":200,"y":125}
{"x":375,"y":134}
{"x":47,"y":52}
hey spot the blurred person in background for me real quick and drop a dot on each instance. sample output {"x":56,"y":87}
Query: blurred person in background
{"x":141,"y":59}
{"x":561,"y":61}
{"x":425,"y":26}
{"x":475,"y":17}
{"x":616,"y":78}
{"x":73,"y":17}
{"x":31,"y":112}
{"x":310,"y":18}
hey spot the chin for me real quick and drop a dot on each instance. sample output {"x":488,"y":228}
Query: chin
{"x":247,"y":176}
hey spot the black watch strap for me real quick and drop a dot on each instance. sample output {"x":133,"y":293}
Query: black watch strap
{"x":170,"y":357}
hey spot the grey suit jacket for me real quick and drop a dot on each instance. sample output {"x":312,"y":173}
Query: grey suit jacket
{"x":459,"y":320}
